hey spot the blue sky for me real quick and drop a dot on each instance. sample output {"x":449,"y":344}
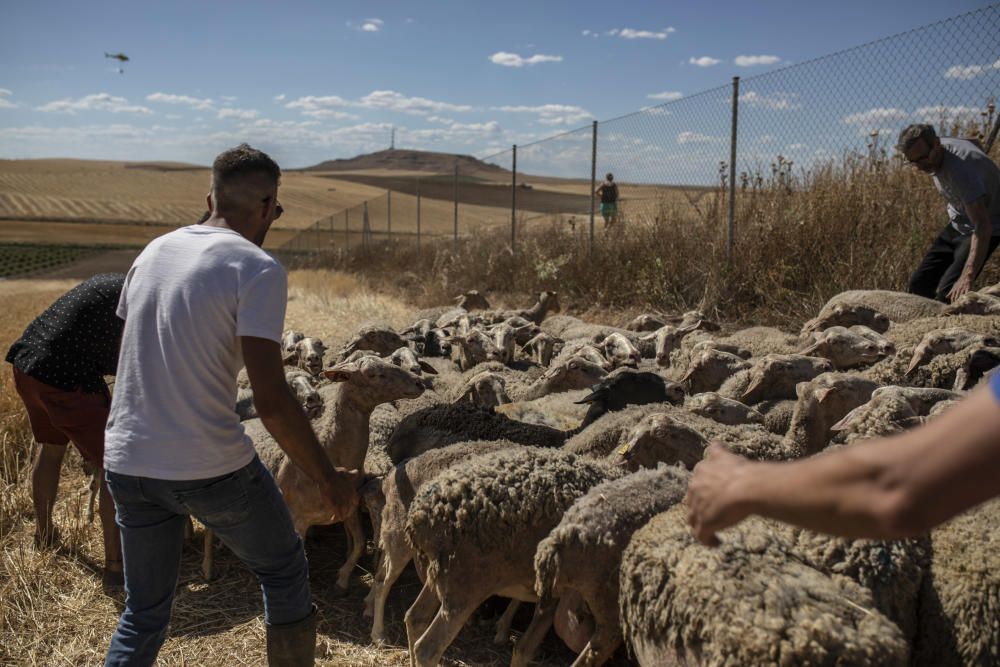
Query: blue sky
{"x":309,"y":81}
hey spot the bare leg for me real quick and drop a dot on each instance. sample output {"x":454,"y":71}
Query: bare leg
{"x":527,"y":645}
{"x":447,"y":623}
{"x":419,"y":616}
{"x":356,"y":545}
{"x":112,"y":535}
{"x":208,"y":554}
{"x":44,"y":487}
{"x":503,"y":625}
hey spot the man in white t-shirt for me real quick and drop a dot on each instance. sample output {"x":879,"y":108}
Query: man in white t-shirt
{"x":199,"y":303}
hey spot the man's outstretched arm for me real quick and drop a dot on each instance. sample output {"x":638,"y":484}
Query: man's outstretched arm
{"x":887,"y":488}
{"x":284,"y":419}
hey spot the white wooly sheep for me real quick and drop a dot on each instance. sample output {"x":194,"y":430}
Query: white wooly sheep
{"x":475,"y":347}
{"x":571,"y":374}
{"x":723,"y":410}
{"x":620,"y":351}
{"x":846,"y":348}
{"x":388,"y":499}
{"x":645,"y":323}
{"x":666,"y":339}
{"x":979,"y":365}
{"x":992,"y":290}
{"x":574,"y":330}
{"x":773,"y":377}
{"x":975,"y":303}
{"x":940,"y":371}
{"x":307,"y":354}
{"x":958,"y":602}
{"x":897,"y":306}
{"x":505,"y":337}
{"x":343,"y":432}
{"x":848,"y":315}
{"x":821,"y":403}
{"x":574,"y":560}
{"x":890,"y":410}
{"x":427,"y":339}
{"x":947,"y":341}
{"x":709,"y":369}
{"x":583,"y":350}
{"x":381,"y":339}
{"x":476,"y":527}
{"x":760,"y":341}
{"x":541,"y":348}
{"x":487,"y":389}
{"x":303,"y":388}
{"x":289,"y":338}
{"x":748,"y":602}
{"x":601,"y":438}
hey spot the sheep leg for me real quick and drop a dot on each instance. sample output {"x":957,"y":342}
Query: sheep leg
{"x":455,"y":610}
{"x":419,"y":616}
{"x":208,"y":554}
{"x":607,"y":636}
{"x":503,"y":625}
{"x":527,"y":645}
{"x":390,"y":568}
{"x":356,"y":545}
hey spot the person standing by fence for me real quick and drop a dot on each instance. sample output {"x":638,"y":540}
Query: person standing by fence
{"x":608,"y":192}
{"x":970,"y":183}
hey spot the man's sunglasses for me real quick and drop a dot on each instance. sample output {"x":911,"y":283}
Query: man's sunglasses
{"x":278,"y":208}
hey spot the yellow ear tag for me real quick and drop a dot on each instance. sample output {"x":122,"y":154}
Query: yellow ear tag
{"x":623,"y":450}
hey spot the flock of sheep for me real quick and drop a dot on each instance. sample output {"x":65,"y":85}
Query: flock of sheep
{"x":545,"y":459}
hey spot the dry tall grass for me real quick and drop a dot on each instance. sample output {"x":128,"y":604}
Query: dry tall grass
{"x":862,"y":222}
{"x":52,"y":609}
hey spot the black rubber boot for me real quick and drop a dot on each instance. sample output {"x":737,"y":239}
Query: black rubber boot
{"x":292,"y":644}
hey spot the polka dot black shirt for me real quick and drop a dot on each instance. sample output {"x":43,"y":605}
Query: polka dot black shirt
{"x":75,"y":342}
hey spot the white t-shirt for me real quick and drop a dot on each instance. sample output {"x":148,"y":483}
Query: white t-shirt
{"x":187,"y":298}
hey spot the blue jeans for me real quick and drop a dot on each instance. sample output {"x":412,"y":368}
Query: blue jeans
{"x":246,"y":511}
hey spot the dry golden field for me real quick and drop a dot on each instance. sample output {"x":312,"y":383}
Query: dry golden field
{"x":53,"y":611}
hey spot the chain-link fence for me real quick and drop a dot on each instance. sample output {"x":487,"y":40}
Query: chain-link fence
{"x":785,"y":126}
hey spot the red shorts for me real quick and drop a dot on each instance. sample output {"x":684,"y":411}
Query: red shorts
{"x":58,"y":416}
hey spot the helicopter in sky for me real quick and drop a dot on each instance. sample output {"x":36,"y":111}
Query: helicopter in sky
{"x":120,"y":57}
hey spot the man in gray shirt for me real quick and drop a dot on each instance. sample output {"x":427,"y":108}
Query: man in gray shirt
{"x":970,"y":183}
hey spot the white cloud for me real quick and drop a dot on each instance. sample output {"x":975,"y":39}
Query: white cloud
{"x":796,"y":147}
{"x":514,"y":60}
{"x":372,"y":25}
{"x":242,"y":114}
{"x":321,"y":107}
{"x":6,"y":91}
{"x":186,"y":100}
{"x":173,"y":116}
{"x":697,"y":138}
{"x":440,"y":119}
{"x":6,"y":104}
{"x":704,"y":61}
{"x":228,"y":99}
{"x":552,"y":114}
{"x":776,"y":102}
{"x":96,"y":102}
{"x":279,"y":98}
{"x":967,"y":72}
{"x":393,"y":101}
{"x":656,"y":111}
{"x":74,"y":135}
{"x":766,"y":139}
{"x":750,"y":61}
{"x":876,"y":115}
{"x":666,"y":96}
{"x":630,"y":33}
{"x":946,"y":115}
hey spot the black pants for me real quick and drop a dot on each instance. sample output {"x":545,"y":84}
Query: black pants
{"x":943,"y":264}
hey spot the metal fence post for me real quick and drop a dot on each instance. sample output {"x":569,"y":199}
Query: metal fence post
{"x":455,"y":239}
{"x":593,"y":184}
{"x":418,"y":214}
{"x":732,"y":173}
{"x":513,"y":200}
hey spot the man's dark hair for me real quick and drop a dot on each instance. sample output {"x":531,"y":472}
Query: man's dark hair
{"x":913,"y":133}
{"x":241,"y":161}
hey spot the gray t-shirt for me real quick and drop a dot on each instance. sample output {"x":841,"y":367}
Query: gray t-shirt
{"x":965,"y":175}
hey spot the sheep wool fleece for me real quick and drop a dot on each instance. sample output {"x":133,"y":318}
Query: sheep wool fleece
{"x":187,"y":299}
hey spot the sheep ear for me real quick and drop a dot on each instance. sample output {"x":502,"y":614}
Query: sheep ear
{"x":342,"y":372}
{"x":596,"y":392}
{"x":427,"y":368}
{"x":290,"y":357}
{"x":648,"y":338}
